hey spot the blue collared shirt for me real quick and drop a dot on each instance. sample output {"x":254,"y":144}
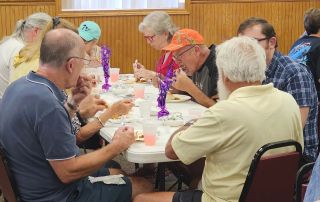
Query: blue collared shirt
{"x":293,"y":78}
{"x":35,"y":128}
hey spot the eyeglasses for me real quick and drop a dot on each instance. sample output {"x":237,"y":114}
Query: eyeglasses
{"x":150,"y":38}
{"x":85,"y":61}
{"x":262,"y":39}
{"x":178,"y":56}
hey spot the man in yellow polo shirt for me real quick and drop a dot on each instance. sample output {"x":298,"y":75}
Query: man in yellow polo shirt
{"x":247,"y":116}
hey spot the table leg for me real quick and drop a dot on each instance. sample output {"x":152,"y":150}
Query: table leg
{"x":160,"y":179}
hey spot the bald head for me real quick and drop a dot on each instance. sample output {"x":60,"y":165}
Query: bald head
{"x":58,"y":45}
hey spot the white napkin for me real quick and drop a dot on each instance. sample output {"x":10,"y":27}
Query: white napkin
{"x":109,"y":179}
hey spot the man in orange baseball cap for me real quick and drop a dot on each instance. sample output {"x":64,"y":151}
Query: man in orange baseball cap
{"x":197,"y":76}
{"x":196,"y":61}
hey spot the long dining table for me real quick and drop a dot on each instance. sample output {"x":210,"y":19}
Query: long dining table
{"x":139,"y":152}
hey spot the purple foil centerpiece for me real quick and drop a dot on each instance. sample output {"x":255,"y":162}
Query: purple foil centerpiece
{"x":164,"y":86}
{"x":105,"y":61}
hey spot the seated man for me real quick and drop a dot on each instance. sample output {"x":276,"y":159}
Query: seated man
{"x":36,"y":131}
{"x":198,"y":62}
{"x":290,"y":77}
{"x":248,"y":116}
{"x":306,"y":50}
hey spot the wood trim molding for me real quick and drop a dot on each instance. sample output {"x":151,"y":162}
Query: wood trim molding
{"x":26,"y":1}
{"x":241,"y":1}
{"x":115,"y":13}
{"x":29,"y":3}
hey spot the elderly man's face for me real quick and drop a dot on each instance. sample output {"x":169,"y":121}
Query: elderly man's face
{"x":187,"y":59}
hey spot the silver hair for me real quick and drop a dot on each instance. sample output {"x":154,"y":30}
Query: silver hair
{"x":159,"y":22}
{"x":241,"y":59}
{"x":39,"y":20}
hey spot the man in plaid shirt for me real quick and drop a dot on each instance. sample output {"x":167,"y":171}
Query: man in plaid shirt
{"x":288,"y":76}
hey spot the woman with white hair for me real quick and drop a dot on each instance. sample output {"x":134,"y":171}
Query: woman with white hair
{"x":158,"y":29}
{"x":27,"y":31}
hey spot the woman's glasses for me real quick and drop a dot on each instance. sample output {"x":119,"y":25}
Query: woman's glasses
{"x":149,"y":38}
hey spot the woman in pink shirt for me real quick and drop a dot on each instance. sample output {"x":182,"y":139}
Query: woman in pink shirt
{"x":158,"y":29}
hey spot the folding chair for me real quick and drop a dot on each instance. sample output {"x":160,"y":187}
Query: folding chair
{"x":272,"y":178}
{"x":7,"y":183}
{"x":302,"y":181}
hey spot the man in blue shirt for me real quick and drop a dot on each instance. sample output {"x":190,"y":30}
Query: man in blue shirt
{"x":36,"y":131}
{"x":306,"y":50}
{"x":288,"y":76}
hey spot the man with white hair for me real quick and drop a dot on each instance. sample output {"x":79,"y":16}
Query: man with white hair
{"x":290,"y":77}
{"x":239,"y":124}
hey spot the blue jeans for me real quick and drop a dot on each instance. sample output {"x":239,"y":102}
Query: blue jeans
{"x":313,"y":190}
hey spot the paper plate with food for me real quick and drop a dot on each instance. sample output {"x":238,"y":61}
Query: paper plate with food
{"x":141,"y":80}
{"x":129,"y":81}
{"x":177,"y":98}
{"x":119,"y":89}
{"x":174,"y":119}
{"x":120,"y":119}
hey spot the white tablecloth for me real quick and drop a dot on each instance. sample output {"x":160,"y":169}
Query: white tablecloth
{"x":139,"y":152}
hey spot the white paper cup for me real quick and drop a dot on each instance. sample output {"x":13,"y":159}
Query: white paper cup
{"x":114,"y":74}
{"x":150,"y":132}
{"x":138,"y":91}
{"x":145,"y":109}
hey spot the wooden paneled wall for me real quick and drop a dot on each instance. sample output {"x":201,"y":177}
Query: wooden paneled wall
{"x":216,"y":20}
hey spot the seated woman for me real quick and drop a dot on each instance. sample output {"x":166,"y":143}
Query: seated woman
{"x":27,"y":31}
{"x":28,"y":58}
{"x":90,"y":32}
{"x":158,"y":29}
{"x":88,"y":108}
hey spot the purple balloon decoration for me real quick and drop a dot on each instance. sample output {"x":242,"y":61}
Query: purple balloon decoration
{"x":164,"y":86}
{"x":105,"y":61}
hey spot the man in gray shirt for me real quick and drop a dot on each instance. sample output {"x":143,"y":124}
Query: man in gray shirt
{"x":199,"y":76}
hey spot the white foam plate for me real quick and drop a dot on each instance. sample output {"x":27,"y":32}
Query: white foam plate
{"x":179,"y":98}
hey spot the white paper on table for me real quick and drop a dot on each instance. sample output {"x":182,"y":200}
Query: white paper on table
{"x":109,"y":179}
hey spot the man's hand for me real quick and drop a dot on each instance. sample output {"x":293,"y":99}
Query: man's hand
{"x":82,"y":89}
{"x":182,"y":81}
{"x":121,"y":107}
{"x":91,"y":105}
{"x":123,"y":138}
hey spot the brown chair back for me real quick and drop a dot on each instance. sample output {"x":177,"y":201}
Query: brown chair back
{"x":7,"y":184}
{"x":272,"y":178}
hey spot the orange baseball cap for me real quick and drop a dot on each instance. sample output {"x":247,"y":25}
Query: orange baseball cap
{"x":184,"y":37}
